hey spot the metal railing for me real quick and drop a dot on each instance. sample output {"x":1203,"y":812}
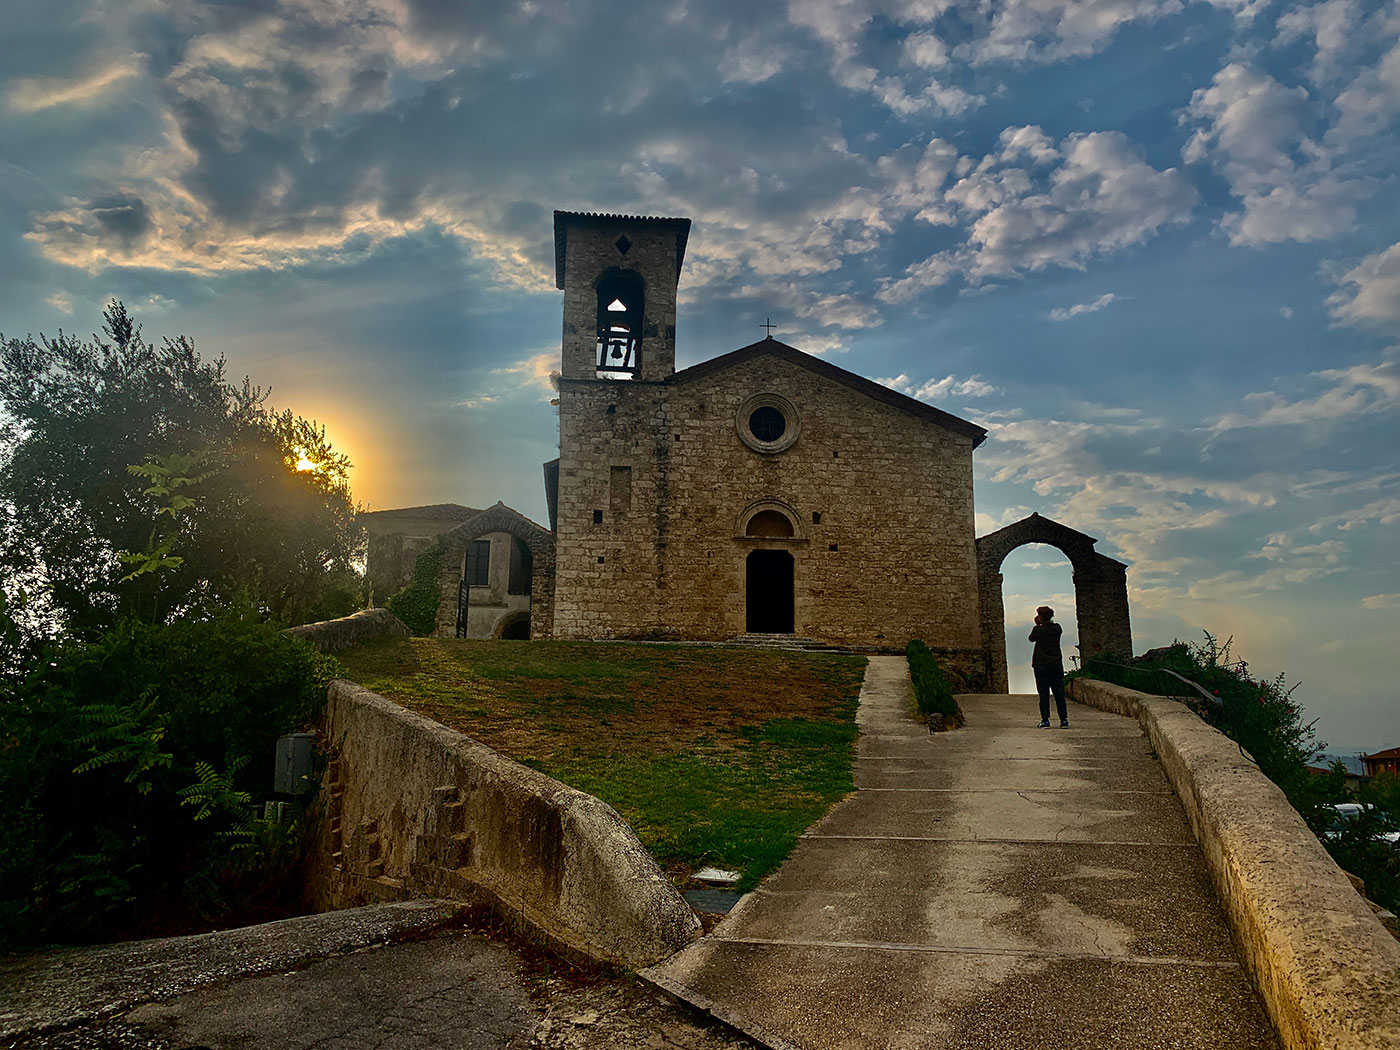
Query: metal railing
{"x":1155,"y":680}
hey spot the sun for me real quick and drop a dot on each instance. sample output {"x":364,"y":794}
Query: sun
{"x":303,"y":463}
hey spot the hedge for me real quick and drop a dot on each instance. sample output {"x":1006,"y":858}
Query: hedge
{"x":932,"y":690}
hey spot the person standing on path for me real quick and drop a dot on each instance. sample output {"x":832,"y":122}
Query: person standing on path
{"x":1048,"y":666}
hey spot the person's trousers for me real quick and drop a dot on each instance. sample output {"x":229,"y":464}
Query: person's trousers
{"x":1048,"y":678}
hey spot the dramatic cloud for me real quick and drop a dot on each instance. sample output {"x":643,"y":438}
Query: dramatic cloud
{"x":1102,"y":196}
{"x":1253,"y":129}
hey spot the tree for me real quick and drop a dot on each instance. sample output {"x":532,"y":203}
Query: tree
{"x":87,"y":427}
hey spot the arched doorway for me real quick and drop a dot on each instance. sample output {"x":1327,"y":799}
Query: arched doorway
{"x":514,"y":627}
{"x":768,"y":592}
{"x":1100,"y":590}
{"x":1033,"y":575}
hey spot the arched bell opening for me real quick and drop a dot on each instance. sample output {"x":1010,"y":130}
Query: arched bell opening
{"x":621,"y":299}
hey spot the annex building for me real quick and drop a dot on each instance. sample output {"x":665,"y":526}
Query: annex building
{"x":764,"y":491}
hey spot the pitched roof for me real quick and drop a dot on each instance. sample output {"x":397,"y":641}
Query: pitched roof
{"x":773,"y":348}
{"x":432,"y":512}
{"x":563,"y":218}
{"x":1390,"y":752}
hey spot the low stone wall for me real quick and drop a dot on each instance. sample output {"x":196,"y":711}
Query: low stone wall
{"x":414,"y":809}
{"x":1328,"y":971}
{"x":364,"y":626}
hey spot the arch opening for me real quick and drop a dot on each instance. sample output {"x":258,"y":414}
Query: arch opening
{"x":1036,"y":574}
{"x":1100,"y":588}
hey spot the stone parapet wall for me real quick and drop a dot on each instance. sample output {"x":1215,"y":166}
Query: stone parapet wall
{"x":1327,"y":970}
{"x":411,"y":808}
{"x":655,"y":480}
{"x":365,"y":626}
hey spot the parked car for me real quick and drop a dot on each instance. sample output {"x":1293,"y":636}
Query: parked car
{"x":1350,"y":811}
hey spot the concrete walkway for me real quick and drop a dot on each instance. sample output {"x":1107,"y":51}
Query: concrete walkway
{"x":997,"y":886}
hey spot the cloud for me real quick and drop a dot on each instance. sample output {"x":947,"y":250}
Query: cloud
{"x":1064,"y":313}
{"x":1370,"y":290}
{"x":1101,"y":197}
{"x":34,"y":94}
{"x":948,"y":386}
{"x":538,"y":371}
{"x":1206,"y":511}
{"x":1340,"y":396}
{"x":1050,"y":30}
{"x":1381,"y":601}
{"x":1252,"y":129}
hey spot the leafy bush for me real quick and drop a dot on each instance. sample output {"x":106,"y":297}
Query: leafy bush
{"x":932,"y":690}
{"x":129,"y":769}
{"x":1261,"y":715}
{"x":1358,"y":847}
{"x":91,"y":430}
{"x":417,"y":603}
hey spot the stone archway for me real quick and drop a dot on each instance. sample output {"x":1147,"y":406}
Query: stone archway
{"x":538,"y":540}
{"x":1100,"y":590}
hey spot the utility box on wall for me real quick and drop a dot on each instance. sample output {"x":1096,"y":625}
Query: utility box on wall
{"x":292,"y":769}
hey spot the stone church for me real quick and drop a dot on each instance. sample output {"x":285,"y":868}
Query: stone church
{"x":761,"y":492}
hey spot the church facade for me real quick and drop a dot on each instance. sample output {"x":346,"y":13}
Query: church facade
{"x":764,"y":492}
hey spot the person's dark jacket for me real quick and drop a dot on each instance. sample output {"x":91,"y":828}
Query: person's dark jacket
{"x":1047,"y":644}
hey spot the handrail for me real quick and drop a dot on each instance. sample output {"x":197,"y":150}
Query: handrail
{"x":1211,"y":698}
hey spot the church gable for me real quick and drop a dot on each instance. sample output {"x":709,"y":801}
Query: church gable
{"x":782,"y":352}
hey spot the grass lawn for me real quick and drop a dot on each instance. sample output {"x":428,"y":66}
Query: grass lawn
{"x":714,"y":756}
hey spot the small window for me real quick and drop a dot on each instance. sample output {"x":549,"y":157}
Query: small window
{"x":478,"y":563}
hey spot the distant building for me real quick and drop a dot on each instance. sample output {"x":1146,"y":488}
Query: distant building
{"x":397,"y":537}
{"x":493,"y":577}
{"x":1387,"y":761}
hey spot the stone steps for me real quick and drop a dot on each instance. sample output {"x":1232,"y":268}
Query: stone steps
{"x":789,"y":642}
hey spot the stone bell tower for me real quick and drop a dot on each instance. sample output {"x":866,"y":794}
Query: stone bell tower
{"x":619,"y":275}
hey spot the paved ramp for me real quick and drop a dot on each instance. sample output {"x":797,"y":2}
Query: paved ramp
{"x":997,"y":886}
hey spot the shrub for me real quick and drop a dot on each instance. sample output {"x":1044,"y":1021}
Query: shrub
{"x":1261,"y":715}
{"x":417,"y":603}
{"x":129,"y":772}
{"x":932,"y":690}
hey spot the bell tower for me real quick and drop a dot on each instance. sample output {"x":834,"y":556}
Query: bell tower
{"x":619,"y":275}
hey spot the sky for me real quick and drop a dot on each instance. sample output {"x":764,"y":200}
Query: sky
{"x":1153,"y":246}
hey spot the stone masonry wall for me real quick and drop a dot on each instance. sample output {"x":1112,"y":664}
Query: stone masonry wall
{"x":414,"y":809}
{"x":367,"y":625}
{"x":890,"y":558}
